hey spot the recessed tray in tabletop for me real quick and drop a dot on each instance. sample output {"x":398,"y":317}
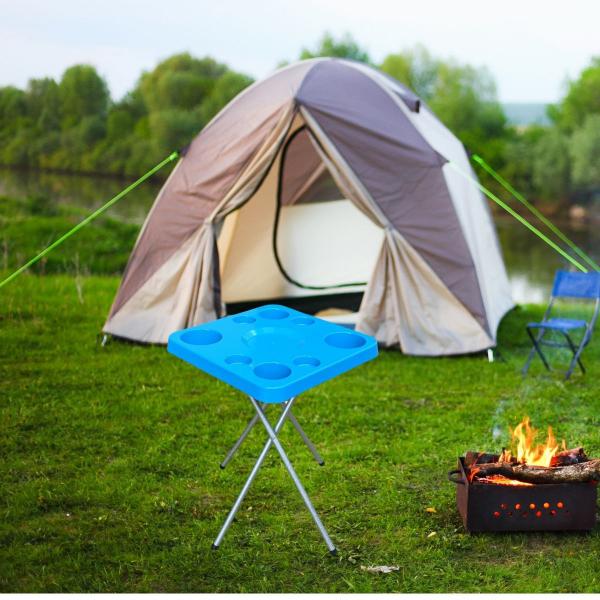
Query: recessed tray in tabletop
{"x":272,"y":352}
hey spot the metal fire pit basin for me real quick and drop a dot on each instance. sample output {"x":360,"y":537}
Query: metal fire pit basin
{"x":488,"y":507}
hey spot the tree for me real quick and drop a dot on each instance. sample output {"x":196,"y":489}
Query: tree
{"x":582,"y":99}
{"x":585,"y":153}
{"x":462,"y":96}
{"x":345,"y":47}
{"x":551,"y":165}
{"x":227,"y":87}
{"x":416,"y":69}
{"x":180,"y":81}
{"x":83,"y":93}
{"x":44,"y":104}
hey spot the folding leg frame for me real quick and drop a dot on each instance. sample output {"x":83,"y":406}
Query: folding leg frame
{"x":272,"y":441}
{"x":254,"y":420}
{"x":537,"y":348}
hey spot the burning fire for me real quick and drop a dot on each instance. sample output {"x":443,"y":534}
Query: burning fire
{"x":527,"y":452}
{"x":523,"y":439}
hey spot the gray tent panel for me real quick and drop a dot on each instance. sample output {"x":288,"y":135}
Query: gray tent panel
{"x":399,"y":169}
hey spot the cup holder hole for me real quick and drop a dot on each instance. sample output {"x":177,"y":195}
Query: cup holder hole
{"x":274,"y":314}
{"x":310,"y":361}
{"x":201,"y":337}
{"x":244,"y":319}
{"x":345,"y":340}
{"x":303,"y":321}
{"x":272,"y":371}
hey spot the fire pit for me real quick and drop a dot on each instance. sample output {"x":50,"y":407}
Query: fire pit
{"x":542,"y":487}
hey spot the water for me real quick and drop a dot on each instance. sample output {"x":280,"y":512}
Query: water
{"x":81,"y":190}
{"x":530,"y":263}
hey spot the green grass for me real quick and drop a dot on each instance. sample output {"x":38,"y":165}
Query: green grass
{"x":109,"y":477}
{"x":29,"y":225}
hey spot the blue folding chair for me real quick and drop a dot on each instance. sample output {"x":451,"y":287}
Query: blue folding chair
{"x":566,"y":285}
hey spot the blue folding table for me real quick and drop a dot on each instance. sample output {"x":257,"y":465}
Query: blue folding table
{"x":273,"y":354}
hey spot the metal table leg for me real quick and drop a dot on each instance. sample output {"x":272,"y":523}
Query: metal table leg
{"x":273,"y":440}
{"x":254,"y":420}
{"x":258,"y":464}
{"x":306,"y":439}
{"x":292,"y":472}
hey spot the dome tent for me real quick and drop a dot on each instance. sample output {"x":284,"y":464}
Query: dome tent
{"x":354,"y":160}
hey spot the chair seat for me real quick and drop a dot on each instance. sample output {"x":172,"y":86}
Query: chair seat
{"x":559,"y":324}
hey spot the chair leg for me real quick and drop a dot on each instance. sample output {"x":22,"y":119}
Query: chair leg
{"x":536,"y":348}
{"x":576,"y":356}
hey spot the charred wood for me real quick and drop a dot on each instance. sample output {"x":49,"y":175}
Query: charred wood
{"x":574,"y":473}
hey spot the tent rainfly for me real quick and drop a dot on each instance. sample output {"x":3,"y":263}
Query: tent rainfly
{"x":326,"y":181}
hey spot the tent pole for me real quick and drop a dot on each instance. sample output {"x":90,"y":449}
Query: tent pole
{"x":509,"y":188}
{"x":88,"y":219}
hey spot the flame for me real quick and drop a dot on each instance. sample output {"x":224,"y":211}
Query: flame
{"x":523,"y":440}
{"x":527,"y":452}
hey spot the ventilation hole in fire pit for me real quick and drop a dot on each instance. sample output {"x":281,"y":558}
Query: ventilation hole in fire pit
{"x":552,"y":513}
{"x":517,"y":507}
{"x":538,"y":514}
{"x":497,"y":515}
{"x":546,"y":504}
{"x":510,"y":513}
{"x":532,"y":506}
{"x":525,"y":514}
{"x":560,"y":505}
{"x":503,"y":506}
{"x":566,"y":512}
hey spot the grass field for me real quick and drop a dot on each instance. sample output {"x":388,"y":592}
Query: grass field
{"x":109,"y":477}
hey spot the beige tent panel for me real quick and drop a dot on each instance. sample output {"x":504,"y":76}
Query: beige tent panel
{"x":407,"y":304}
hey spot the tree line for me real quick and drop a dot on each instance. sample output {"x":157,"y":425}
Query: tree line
{"x":74,"y":125}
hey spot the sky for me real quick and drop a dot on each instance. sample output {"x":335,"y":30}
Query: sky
{"x":531,"y":47}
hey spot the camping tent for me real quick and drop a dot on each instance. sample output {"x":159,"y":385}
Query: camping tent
{"x":327,"y":180}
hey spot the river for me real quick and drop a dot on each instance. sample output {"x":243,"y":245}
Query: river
{"x":530,"y":263}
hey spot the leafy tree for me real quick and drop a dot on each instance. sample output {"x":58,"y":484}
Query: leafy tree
{"x":551,"y":165}
{"x":44,"y":103}
{"x":416,"y":68}
{"x":345,"y":47}
{"x":225,"y":89}
{"x":174,"y":128}
{"x":519,"y":152}
{"x":462,"y":96}
{"x":582,"y":99}
{"x":83,"y":93}
{"x":585,"y":153}
{"x":180,"y":81}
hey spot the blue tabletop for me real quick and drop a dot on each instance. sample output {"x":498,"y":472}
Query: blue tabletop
{"x":273,"y":352}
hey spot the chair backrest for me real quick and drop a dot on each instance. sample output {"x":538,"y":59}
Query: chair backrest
{"x":576,"y":285}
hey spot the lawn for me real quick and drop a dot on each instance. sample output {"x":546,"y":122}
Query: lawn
{"x":109,"y":478}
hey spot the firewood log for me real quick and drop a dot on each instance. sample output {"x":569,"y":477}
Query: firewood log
{"x":572,"y":456}
{"x":577,"y":473}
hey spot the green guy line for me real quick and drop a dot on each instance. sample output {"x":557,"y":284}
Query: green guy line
{"x":507,"y":186}
{"x":519,"y":218}
{"x":96,"y":213}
